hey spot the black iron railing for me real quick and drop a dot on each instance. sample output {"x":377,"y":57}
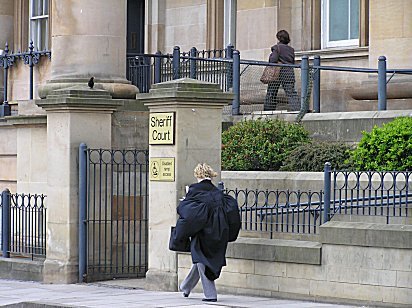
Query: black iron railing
{"x":23,"y":225}
{"x":369,"y":193}
{"x":31,"y":57}
{"x":113,"y":213}
{"x":300,"y":83}
{"x":279,"y":210}
{"x":386,"y":196}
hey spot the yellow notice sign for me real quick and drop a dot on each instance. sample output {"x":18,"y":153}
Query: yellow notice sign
{"x":162,"y":169}
{"x":162,"y":128}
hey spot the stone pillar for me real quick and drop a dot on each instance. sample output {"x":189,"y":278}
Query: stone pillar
{"x":197,"y":107}
{"x":390,"y":32}
{"x":74,"y":115}
{"x":390,"y":35}
{"x":6,"y":33}
{"x":89,"y":39}
{"x":155,"y":24}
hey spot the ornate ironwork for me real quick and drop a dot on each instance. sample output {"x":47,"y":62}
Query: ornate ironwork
{"x":30,"y":57}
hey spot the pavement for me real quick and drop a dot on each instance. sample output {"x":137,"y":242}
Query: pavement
{"x":125,"y":293}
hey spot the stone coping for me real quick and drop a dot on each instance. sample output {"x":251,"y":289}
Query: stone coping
{"x":27,"y":120}
{"x":185,"y":90}
{"x":335,"y":54}
{"x":270,"y":175}
{"x":21,"y":269}
{"x":290,"y":251}
{"x":356,"y":115}
{"x":366,"y":234}
{"x":78,"y":103}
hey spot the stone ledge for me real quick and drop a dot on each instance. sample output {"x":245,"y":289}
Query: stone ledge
{"x":303,"y":252}
{"x":21,"y":269}
{"x":28,"y":120}
{"x":366,"y":234}
{"x":187,"y":92}
{"x":357,"y":115}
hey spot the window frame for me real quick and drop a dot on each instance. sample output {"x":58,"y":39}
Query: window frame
{"x":35,"y":22}
{"x":229,"y":28}
{"x":325,"y":42}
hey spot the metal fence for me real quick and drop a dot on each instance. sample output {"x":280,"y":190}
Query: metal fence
{"x":296,"y":88}
{"x":31,"y":57}
{"x":380,"y":78}
{"x":224,"y":67}
{"x":207,"y":65}
{"x":113,"y":217}
{"x":23,"y":225}
{"x":279,"y":210}
{"x":385,"y":197}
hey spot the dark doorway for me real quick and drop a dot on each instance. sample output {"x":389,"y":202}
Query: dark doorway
{"x":135,"y":27}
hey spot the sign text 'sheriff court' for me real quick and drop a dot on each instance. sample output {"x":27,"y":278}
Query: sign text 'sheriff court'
{"x":162,"y":128}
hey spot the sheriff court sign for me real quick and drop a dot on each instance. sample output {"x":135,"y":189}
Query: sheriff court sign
{"x":162,"y":128}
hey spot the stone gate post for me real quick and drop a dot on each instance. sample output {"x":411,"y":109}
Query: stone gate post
{"x":74,"y":115}
{"x":184,"y":128}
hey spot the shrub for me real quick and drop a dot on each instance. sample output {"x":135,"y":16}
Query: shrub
{"x":314,"y":155}
{"x":386,"y":148}
{"x":260,"y":144}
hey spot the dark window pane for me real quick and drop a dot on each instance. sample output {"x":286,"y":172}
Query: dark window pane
{"x":338,"y":20}
{"x":354,"y":19}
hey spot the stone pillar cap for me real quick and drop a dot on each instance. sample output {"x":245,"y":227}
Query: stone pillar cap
{"x":185,"y":91}
{"x":79,"y":92}
{"x":79,"y":97}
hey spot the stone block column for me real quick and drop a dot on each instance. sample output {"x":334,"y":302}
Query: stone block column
{"x":197,"y":108}
{"x":89,"y":39}
{"x":390,"y":35}
{"x":390,"y":32}
{"x":74,"y":116}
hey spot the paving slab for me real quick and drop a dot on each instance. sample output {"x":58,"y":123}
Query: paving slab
{"x":23,"y":294}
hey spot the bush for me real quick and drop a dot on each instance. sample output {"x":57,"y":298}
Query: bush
{"x":260,"y":144}
{"x":386,"y":148}
{"x":314,"y":155}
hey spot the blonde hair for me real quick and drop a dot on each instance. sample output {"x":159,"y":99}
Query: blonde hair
{"x":203,"y":170}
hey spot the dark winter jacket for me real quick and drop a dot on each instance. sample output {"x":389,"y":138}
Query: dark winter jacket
{"x":202,"y":218}
{"x":282,"y":53}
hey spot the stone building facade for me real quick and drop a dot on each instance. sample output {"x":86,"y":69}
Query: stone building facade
{"x":93,"y":37}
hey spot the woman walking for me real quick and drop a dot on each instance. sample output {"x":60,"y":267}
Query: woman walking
{"x":282,"y":53}
{"x":203,"y":220}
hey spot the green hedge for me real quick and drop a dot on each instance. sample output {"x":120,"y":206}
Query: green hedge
{"x":312,"y":156}
{"x":279,"y":145}
{"x":260,"y":144}
{"x":386,"y":148}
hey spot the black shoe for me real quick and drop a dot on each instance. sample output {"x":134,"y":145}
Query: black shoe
{"x":209,"y":300}
{"x":185,"y":294}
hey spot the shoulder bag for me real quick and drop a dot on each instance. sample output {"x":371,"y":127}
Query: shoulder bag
{"x":270,"y":73}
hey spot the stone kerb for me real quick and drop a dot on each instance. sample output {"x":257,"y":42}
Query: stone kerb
{"x":74,"y":115}
{"x":197,"y":108}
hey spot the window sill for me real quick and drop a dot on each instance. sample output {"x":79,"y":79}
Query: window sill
{"x":338,"y":53}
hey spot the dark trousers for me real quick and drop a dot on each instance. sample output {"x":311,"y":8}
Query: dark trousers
{"x":271,"y":99}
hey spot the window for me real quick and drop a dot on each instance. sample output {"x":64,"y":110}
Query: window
{"x":39,"y":23}
{"x":340,"y":23}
